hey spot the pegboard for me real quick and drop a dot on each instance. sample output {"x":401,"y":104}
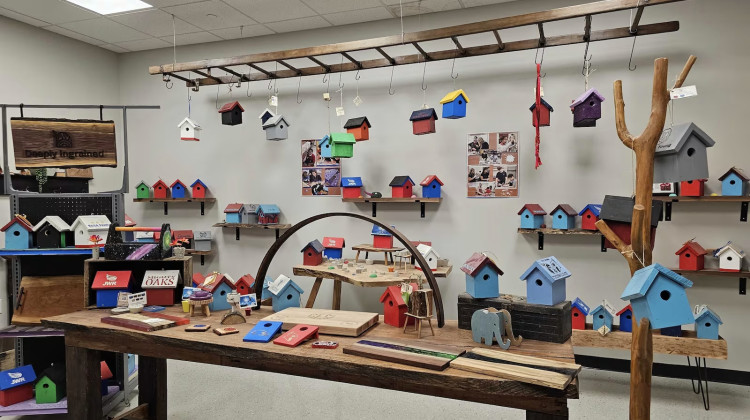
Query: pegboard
{"x":67,"y":206}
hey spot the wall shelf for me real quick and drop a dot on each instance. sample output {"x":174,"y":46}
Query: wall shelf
{"x":166,"y":202}
{"x":10,"y":253}
{"x":13,"y":331}
{"x":237,"y":226}
{"x":743,"y":200}
{"x":202,"y":254}
{"x":742,"y":275}
{"x":541,"y":232}
{"x":375,"y":201}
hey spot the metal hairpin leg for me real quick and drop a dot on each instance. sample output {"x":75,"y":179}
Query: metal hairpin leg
{"x":701,"y":389}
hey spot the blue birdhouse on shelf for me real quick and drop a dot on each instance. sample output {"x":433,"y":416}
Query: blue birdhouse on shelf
{"x":734,"y":183}
{"x":658,"y":293}
{"x":545,"y":281}
{"x":284,"y":293}
{"x":178,"y":189}
{"x":325,"y":146}
{"x":626,"y":318}
{"x":431,"y":186}
{"x":532,"y":216}
{"x":482,"y":276}
{"x":564,"y":217}
{"x":454,"y":104}
{"x":233,"y":212}
{"x":675,"y":331}
{"x":18,"y":233}
{"x":707,"y":323}
{"x":602,"y":316}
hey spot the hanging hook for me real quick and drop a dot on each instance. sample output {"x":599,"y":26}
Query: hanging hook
{"x":540,"y":61}
{"x":325,"y":78}
{"x":452,"y":67}
{"x":586,"y":60}
{"x":167,"y":79}
{"x":299,"y":83}
{"x":196,"y":86}
{"x":390,"y":85}
{"x":632,"y":67}
{"x":270,"y":84}
{"x":424,"y":70}
{"x":217,"y":97}
{"x":356,"y":75}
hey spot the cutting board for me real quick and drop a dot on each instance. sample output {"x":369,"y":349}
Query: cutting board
{"x":328,"y":321}
{"x":527,"y":369}
{"x":145,"y":322}
{"x":406,"y":352}
{"x":43,"y":297}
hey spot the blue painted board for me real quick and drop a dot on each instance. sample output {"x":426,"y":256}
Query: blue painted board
{"x":455,"y":109}
{"x":432,"y":190}
{"x":626,"y":321}
{"x":108,"y":298}
{"x":333,"y":253}
{"x":263,"y":332}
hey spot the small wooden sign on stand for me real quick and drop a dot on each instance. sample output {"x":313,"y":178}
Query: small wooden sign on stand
{"x":420,"y":308}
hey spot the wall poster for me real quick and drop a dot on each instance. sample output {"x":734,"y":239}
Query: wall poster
{"x":320,"y":175}
{"x":492,"y":164}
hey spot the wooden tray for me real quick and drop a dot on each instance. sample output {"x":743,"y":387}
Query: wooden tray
{"x":334,"y":322}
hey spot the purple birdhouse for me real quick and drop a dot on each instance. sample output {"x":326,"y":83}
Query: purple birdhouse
{"x":587,"y":108}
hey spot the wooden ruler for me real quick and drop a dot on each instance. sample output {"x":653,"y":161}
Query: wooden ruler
{"x":406,"y":352}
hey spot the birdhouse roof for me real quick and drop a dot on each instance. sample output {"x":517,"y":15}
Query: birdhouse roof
{"x":269,"y":209}
{"x":325,"y":139}
{"x":545,"y":103}
{"x":218,"y":280}
{"x":251,"y":208}
{"x":234,"y":208}
{"x":336,"y":243}
{"x":400,"y":181}
{"x":281,"y":283}
{"x":315,"y":244}
{"x":729,"y":246}
{"x":476,"y":262}
{"x":143,"y":183}
{"x":620,"y":209}
{"x":428,"y":180}
{"x":266,"y":112}
{"x":353,"y":181}
{"x":55,"y":373}
{"x":595,"y":208}
{"x":178,"y":182}
{"x":112,"y":280}
{"x":451,"y":96}
{"x":198,"y":181}
{"x":129,"y":221}
{"x":644,"y":278}
{"x":379,"y":231}
{"x":275,"y":120}
{"x":342,"y":138}
{"x":55,"y":221}
{"x":104,"y":370}
{"x":395,"y":292}
{"x":161,"y":279}
{"x":357,"y":122}
{"x":737,"y":171}
{"x":551,"y":269}
{"x":693,"y":246}
{"x":426,"y":249}
{"x":201,"y":235}
{"x":423,"y":114}
{"x":248,"y":279}
{"x":192,"y":123}
{"x":705,"y":311}
{"x":160,"y":182}
{"x":12,"y":378}
{"x":678,"y":136}
{"x":601,"y":308}
{"x":585,"y":96}
{"x":622,"y":311}
{"x":21,"y":220}
{"x":230,"y":106}
{"x":578,"y":303}
{"x":535,"y":209}
{"x":94,"y":222}
{"x":570,"y":211}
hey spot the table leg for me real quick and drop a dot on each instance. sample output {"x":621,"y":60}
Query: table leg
{"x":152,"y":386}
{"x":314,"y":292}
{"x":356,"y":257}
{"x":84,"y":383}
{"x":336,"y":295}
{"x":533,"y":415}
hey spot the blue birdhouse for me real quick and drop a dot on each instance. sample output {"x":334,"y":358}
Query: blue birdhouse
{"x":334,"y":247}
{"x":626,"y":318}
{"x":545,"y":281}
{"x":178,"y":189}
{"x":285,"y":293}
{"x":482,"y":276}
{"x":233,"y":212}
{"x":675,"y":331}
{"x":18,"y":233}
{"x":431,"y":186}
{"x":454,"y":104}
{"x":325,"y":146}
{"x":658,"y":293}
{"x":564,"y":217}
{"x":707,"y":323}
{"x":220,"y":288}
{"x":532,"y":216}
{"x":602,"y":317}
{"x":734,"y":183}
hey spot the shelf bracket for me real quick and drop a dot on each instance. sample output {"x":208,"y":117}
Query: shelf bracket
{"x":203,"y":209}
{"x":421,"y":207}
{"x":541,"y":240}
{"x":667,"y":211}
{"x":604,"y":243}
{"x":277,"y":234}
{"x":166,"y":208}
{"x":203,"y":260}
{"x":237,"y":234}
{"x":374,"y":209}
{"x":743,"y":212}
{"x":743,"y":285}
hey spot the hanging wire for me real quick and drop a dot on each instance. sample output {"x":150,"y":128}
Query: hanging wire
{"x":401,"y":15}
{"x":341,"y":85}
{"x":390,"y":85}
{"x":167,"y":78}
{"x":540,"y":61}
{"x":424,"y":87}
{"x":249,"y":93}
{"x":299,"y":83}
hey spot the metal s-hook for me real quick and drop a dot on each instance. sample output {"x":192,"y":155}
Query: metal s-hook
{"x":356,"y":75}
{"x":216,"y":104}
{"x":452,"y":67}
{"x":424,"y":70}
{"x":270,"y":84}
{"x":325,"y":78}
{"x":167,"y":79}
{"x":196,"y":86}
{"x":540,"y":61}
{"x":586,"y":60}
{"x":390,"y":85}
{"x":632,"y":67}
{"x":299,"y":83}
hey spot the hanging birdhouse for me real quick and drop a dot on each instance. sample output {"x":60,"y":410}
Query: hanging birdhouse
{"x":276,"y":128}
{"x":342,"y":145}
{"x":325,"y":146}
{"x":189,"y":130}
{"x":587,"y":108}
{"x":265,"y":115}
{"x":681,"y":154}
{"x":423,"y":121}
{"x":359,"y":127}
{"x":454,"y":104}
{"x":231,"y":113}
{"x":544,"y":114}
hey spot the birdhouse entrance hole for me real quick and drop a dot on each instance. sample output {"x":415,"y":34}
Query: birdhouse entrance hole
{"x":708,"y":324}
{"x":588,"y":216}
{"x":538,"y":282}
{"x":45,"y":386}
{"x":187,"y":128}
{"x":591,"y":103}
{"x":434,"y":186}
{"x":309,"y":254}
{"x":46,"y":233}
{"x":390,"y":303}
{"x":690,"y":151}
{"x":289,"y":297}
{"x":486,"y":277}
{"x":601,"y":316}
{"x":731,"y":182}
{"x":729,"y":258}
{"x":689,"y":182}
{"x":527,"y":216}
{"x":460,"y":102}
{"x":575,"y":314}
{"x":665,"y":295}
{"x":281,"y":126}
{"x":223,"y":292}
{"x":16,"y":233}
{"x":559,"y":216}
{"x":628,"y":316}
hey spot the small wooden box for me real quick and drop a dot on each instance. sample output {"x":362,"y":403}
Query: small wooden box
{"x":533,"y":322}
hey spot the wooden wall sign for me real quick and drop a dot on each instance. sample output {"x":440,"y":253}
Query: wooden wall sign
{"x":61,"y":143}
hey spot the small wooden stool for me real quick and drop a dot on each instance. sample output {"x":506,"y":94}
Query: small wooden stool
{"x":203,"y":304}
{"x":418,"y":323}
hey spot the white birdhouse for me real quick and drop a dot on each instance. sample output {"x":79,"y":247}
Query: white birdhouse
{"x":730,"y":257}
{"x":430,"y":255}
{"x":189,"y":130}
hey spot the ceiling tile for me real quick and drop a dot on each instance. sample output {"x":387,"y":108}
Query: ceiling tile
{"x":247,"y":31}
{"x":166,"y":3}
{"x":194,"y":38}
{"x":144,"y":44}
{"x":299,"y":24}
{"x":272,"y":10}
{"x":210,"y":15}
{"x":155,"y":23}
{"x":115,"y":48}
{"x":474,"y":3}
{"x":355,"y":16}
{"x":105,"y":29}
{"x":412,"y":8}
{"x":52,"y":11}
{"x":22,"y":18}
{"x":74,"y":35}
{"x":332,"y":6}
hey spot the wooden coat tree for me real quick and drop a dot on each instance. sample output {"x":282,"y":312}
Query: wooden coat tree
{"x":638,"y":253}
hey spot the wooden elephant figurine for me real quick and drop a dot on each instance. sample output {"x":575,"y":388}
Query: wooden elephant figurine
{"x":492,"y":324}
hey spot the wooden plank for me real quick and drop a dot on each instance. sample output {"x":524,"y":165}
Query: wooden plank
{"x":139,"y":322}
{"x":252,"y":226}
{"x":336,"y":301}
{"x":406,"y":352}
{"x":550,"y":231}
{"x":705,"y":198}
{"x":84,"y":383}
{"x":686,"y":345}
{"x":175,"y":200}
{"x":370,"y":248}
{"x":314,"y":292}
{"x":712,"y":272}
{"x":383,"y":279}
{"x":152,"y":386}
{"x":48,"y":296}
{"x":392,"y":200}
{"x":329,"y":321}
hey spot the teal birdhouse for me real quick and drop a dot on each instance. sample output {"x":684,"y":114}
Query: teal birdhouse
{"x":18,"y":233}
{"x":658,"y":293}
{"x":707,"y":323}
{"x":285,"y":293}
{"x":602,"y":315}
{"x":454,"y":104}
{"x":564,"y":217}
{"x":532,"y":216}
{"x":220,"y":287}
{"x":482,"y":276}
{"x":734,"y":183}
{"x":325,"y":146}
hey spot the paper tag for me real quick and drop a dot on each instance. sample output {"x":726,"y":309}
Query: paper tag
{"x":137,"y":299}
{"x":273,"y":100}
{"x":608,"y":307}
{"x":248,"y":301}
{"x":357,"y":101}
{"x":340,"y":111}
{"x":122,"y":299}
{"x":541,"y":91}
{"x":327,"y":96}
{"x":683,"y":92}
{"x":277,"y":285}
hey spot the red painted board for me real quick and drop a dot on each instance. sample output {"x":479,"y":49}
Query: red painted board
{"x":297,"y":335}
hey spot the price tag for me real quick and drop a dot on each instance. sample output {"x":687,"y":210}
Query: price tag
{"x":137,"y":299}
{"x":683,"y":92}
{"x":122,"y":299}
{"x":608,"y":307}
{"x":273,"y":100}
{"x":340,"y":111}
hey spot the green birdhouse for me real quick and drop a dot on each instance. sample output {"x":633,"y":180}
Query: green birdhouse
{"x":143,"y":190}
{"x":342,"y":145}
{"x":51,"y":386}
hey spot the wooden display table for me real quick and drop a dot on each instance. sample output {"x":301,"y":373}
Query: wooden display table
{"x":369,"y":248}
{"x":86,"y":337}
{"x":363,"y":279}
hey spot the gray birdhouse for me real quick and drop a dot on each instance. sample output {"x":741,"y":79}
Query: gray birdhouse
{"x":276,"y":128}
{"x":681,"y":154}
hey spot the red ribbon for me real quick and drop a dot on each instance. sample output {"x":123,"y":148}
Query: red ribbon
{"x":537,"y":113}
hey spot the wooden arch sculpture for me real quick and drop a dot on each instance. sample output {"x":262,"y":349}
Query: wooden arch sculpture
{"x":263,"y":269}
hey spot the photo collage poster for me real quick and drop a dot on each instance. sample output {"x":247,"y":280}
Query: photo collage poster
{"x":320,"y":176}
{"x":492,"y":164}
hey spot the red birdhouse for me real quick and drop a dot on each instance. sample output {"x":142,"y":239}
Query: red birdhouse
{"x":360,"y":127}
{"x":401,"y":187}
{"x":395,"y":307}
{"x":692,"y":256}
{"x":423,"y":121}
{"x":693,"y":188}
{"x":312,"y":253}
{"x":578,"y":312}
{"x":161,"y":189}
{"x":589,"y":216}
{"x":199,"y":189}
{"x":544,"y":114}
{"x":244,"y":285}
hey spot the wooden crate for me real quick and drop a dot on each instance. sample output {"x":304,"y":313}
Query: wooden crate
{"x":138,"y":267}
{"x":533,"y":322}
{"x":7,"y":360}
